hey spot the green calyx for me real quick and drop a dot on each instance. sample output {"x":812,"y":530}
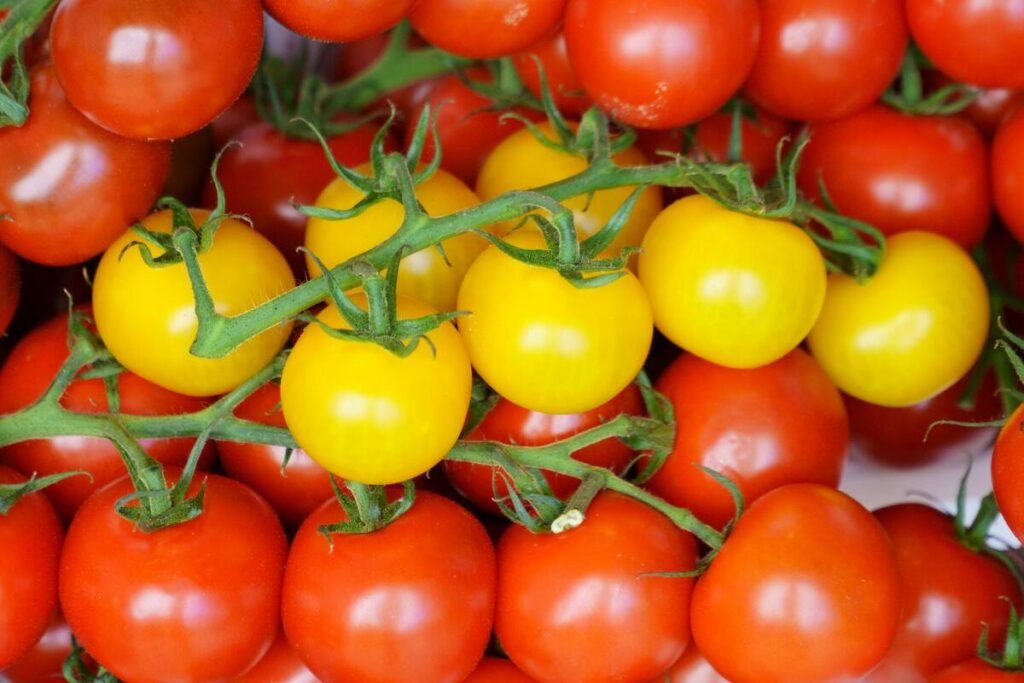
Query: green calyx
{"x":907,"y":95}
{"x":1012,"y":656}
{"x":22,"y":20}
{"x":10,"y":494}
{"x":367,"y":508}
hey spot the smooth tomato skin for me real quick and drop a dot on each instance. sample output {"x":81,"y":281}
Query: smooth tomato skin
{"x":155,"y":70}
{"x":823,"y":60}
{"x":563,"y":84}
{"x":546,"y":344}
{"x":365,"y":414}
{"x":974,"y":42}
{"x":806,"y":586}
{"x":240,"y":115}
{"x":912,"y":330}
{"x":338,"y":21}
{"x":281,"y":664}
{"x":27,"y":372}
{"x":664,"y":63}
{"x":991,"y":106}
{"x":46,"y":658}
{"x":976,"y":671}
{"x":10,"y":287}
{"x":509,"y":423}
{"x":692,"y":667}
{"x":201,"y":599}
{"x":30,"y":534}
{"x":710,"y":271}
{"x":425,"y":275}
{"x":901,"y":173}
{"x":494,"y":670}
{"x":1007,"y":472}
{"x":949,"y":592}
{"x":576,"y":606}
{"x":782,"y":423}
{"x":1008,"y":172}
{"x":411,"y":602}
{"x":146,"y":315}
{"x":485,"y":28}
{"x":69,"y":186}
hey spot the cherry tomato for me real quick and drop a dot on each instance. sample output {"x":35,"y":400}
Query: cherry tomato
{"x":1008,"y":473}
{"x":26,"y":374}
{"x":974,"y":42}
{"x":281,"y":664}
{"x":949,"y":592}
{"x":494,"y":670}
{"x":902,"y":173}
{"x":1008,"y":172}
{"x":155,"y":70}
{"x":508,"y":423}
{"x":30,"y":534}
{"x":581,"y":605}
{"x":826,"y":59}
{"x":70,"y":187}
{"x":988,"y":106}
{"x":690,"y":668}
{"x":806,"y":588}
{"x":664,"y":63}
{"x":397,"y":417}
{"x":411,"y":602}
{"x":429,"y":275}
{"x":294,"y":490}
{"x":711,"y":272}
{"x":546,"y":344}
{"x":338,"y":21}
{"x":909,"y":332}
{"x":976,"y":671}
{"x":200,"y":600}
{"x":240,"y":115}
{"x":485,"y":28}
{"x":563,"y":84}
{"x":46,"y":658}
{"x":10,"y":287}
{"x":146,"y":315}
{"x":782,"y":423}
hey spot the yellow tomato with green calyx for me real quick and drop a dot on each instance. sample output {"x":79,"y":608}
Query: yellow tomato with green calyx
{"x":912,"y":330}
{"x":424,"y":275}
{"x":146,"y":315}
{"x":368,"y":415}
{"x":734,"y":289}
{"x":545,"y":344}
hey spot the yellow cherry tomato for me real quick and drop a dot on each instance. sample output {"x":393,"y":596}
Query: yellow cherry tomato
{"x":368,"y":415}
{"x":910,"y":331}
{"x":545,"y":344}
{"x":522,"y":162}
{"x":424,"y":275}
{"x":734,"y":289}
{"x":146,"y":316}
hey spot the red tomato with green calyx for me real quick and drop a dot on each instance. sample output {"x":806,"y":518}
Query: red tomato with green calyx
{"x":563,"y":84}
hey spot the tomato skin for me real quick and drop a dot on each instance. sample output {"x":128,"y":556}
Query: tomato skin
{"x":485,"y":28}
{"x":665,"y":63}
{"x":509,"y":423}
{"x":139,"y":310}
{"x":806,"y":586}
{"x":45,"y":659}
{"x":902,"y":173}
{"x":1007,"y":472}
{"x":710,"y":271}
{"x":1008,"y":172}
{"x":229,"y":561}
{"x":823,"y":60}
{"x":281,"y":664}
{"x":563,"y":84}
{"x":574,"y":606}
{"x":338,"y":21}
{"x":949,"y":591}
{"x":30,"y":534}
{"x":782,"y":423}
{"x":976,"y":671}
{"x":71,"y":187}
{"x":10,"y":287}
{"x":240,"y":115}
{"x":412,"y":601}
{"x":494,"y":670}
{"x":692,"y":667}
{"x":155,"y":70}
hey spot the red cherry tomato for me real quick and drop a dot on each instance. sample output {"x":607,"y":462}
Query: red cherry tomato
{"x":782,"y":423}
{"x":562,"y":81}
{"x":976,"y":671}
{"x":1008,"y":172}
{"x":240,"y":115}
{"x":825,"y":59}
{"x":411,"y":602}
{"x":194,"y":602}
{"x":692,"y":667}
{"x":30,"y":535}
{"x":281,"y":664}
{"x":46,"y":658}
{"x":577,"y":606}
{"x":1008,"y":471}
{"x":10,"y":287}
{"x":663,"y":63}
{"x":485,"y":28}
{"x":159,"y":69}
{"x":494,"y":670}
{"x":70,"y":187}
{"x":902,"y":173}
{"x":806,"y":588}
{"x":338,"y":21}
{"x":509,"y":423}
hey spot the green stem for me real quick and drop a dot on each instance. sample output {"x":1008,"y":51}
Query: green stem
{"x":23,"y":19}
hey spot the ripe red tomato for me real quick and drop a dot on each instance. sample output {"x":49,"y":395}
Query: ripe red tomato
{"x":411,"y":602}
{"x":494,"y":670}
{"x":988,"y":107}
{"x":509,"y":423}
{"x":338,"y":21}
{"x":1008,"y":172}
{"x":294,"y":491}
{"x":902,"y":173}
{"x":70,"y":187}
{"x":562,"y":81}
{"x":782,"y":423}
{"x":1008,"y":471}
{"x":10,"y":287}
{"x":577,"y":605}
{"x":692,"y":667}
{"x":240,"y":115}
{"x":826,"y":59}
{"x":806,"y":587}
{"x":30,"y":534}
{"x":663,"y":63}
{"x":485,"y":28}
{"x":46,"y":658}
{"x":976,"y":671}
{"x":199,"y":600}
{"x":281,"y":664}
{"x":159,"y":69}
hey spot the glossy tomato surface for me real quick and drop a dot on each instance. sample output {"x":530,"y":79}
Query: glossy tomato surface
{"x":281,"y":664}
{"x":485,"y":28}
{"x":45,"y":659}
{"x":338,"y":21}
{"x":692,"y":667}
{"x":1008,"y":172}
{"x":1008,"y":471}
{"x":563,"y":84}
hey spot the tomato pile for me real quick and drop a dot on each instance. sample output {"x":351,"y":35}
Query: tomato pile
{"x":498,"y":341}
